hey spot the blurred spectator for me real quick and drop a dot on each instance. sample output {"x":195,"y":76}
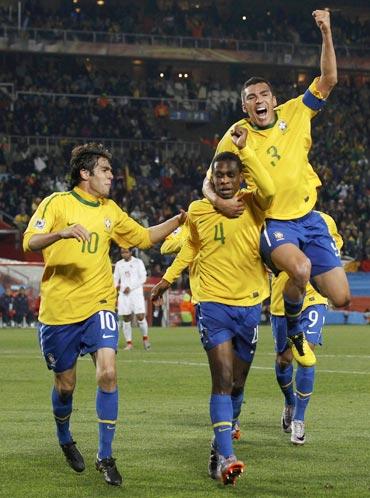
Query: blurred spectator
{"x":21,"y":219}
{"x":21,"y":307}
{"x":6,"y":307}
{"x":186,"y":311}
{"x":161,"y":110}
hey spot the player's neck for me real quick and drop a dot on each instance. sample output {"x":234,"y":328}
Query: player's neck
{"x":84,"y":194}
{"x":268,"y":126}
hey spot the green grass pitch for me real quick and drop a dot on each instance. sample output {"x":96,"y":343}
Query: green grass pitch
{"x":163,"y":434}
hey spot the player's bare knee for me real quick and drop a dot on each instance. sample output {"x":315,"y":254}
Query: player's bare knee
{"x":284,"y":359}
{"x":341,"y":300}
{"x":237,"y":389}
{"x":107,"y":377}
{"x":223,"y":384}
{"x":301,"y":272}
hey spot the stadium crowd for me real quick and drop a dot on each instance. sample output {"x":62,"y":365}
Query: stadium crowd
{"x":212,"y":19}
{"x":147,"y":181}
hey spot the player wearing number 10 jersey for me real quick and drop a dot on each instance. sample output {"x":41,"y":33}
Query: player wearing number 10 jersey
{"x":77,"y":313}
{"x":295,"y":239}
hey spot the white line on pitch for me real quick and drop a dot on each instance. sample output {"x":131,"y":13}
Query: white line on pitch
{"x":196,"y":364}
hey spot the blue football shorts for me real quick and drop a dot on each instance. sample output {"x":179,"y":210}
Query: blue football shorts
{"x":218,"y":323}
{"x":312,"y":322}
{"x":61,"y":345}
{"x":310,"y":233}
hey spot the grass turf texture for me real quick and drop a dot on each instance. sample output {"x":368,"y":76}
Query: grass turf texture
{"x":163,"y":434}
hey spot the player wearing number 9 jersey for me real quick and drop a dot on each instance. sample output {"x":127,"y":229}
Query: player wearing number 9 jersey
{"x":77,"y":313}
{"x":295,"y":239}
{"x":312,"y":321}
{"x":232,"y":283}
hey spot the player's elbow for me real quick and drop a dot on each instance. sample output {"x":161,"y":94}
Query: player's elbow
{"x":26,"y":244}
{"x":329,"y":81}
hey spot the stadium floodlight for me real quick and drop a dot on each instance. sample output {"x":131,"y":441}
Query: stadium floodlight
{"x":161,"y":75}
{"x":180,"y":75}
{"x":100,"y":2}
{"x":244,"y":18}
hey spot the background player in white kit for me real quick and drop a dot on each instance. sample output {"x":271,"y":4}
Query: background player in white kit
{"x":129,"y":278}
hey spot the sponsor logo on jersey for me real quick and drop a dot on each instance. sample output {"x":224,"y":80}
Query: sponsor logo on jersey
{"x":278,"y":235}
{"x":40,"y":224}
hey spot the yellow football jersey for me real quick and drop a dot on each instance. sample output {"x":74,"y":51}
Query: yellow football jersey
{"x":312,"y":296}
{"x":230,"y":267}
{"x":173,"y":244}
{"x":283,"y":149}
{"x":77,"y":280}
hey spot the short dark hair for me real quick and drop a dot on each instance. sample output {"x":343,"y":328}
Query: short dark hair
{"x":254,"y":80}
{"x":227,"y":156}
{"x":86,"y":157}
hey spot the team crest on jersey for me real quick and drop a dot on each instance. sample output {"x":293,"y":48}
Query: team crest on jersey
{"x":107,"y":223}
{"x":278,"y":235}
{"x":283,"y":126}
{"x":40,"y":224}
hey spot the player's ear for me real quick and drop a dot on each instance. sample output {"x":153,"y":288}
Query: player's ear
{"x":243,"y":107}
{"x":274,"y":101}
{"x":84,"y":174}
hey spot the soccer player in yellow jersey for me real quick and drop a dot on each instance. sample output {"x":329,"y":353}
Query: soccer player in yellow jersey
{"x":232,"y":285}
{"x":77,"y":312}
{"x":295,"y":238}
{"x":312,"y":321}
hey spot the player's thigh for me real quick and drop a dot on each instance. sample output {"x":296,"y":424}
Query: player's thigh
{"x":124,"y":304}
{"x":138,"y":302}
{"x":312,"y":321}
{"x":334,"y":285}
{"x":245,"y":339}
{"x":280,"y":245}
{"x":60,"y":345}
{"x":100,"y":331}
{"x":215,"y":324}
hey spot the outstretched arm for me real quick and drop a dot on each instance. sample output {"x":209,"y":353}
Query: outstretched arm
{"x":328,"y":62}
{"x":42,"y":240}
{"x":160,"y":232}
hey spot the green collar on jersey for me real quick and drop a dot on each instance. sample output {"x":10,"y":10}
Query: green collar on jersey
{"x":271,"y":125}
{"x":85,"y":201}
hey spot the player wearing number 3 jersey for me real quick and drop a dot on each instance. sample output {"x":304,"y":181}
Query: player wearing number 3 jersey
{"x":77,"y":312}
{"x":295,"y":238}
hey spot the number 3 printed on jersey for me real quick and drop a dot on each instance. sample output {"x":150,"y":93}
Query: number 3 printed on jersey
{"x":273,"y":152}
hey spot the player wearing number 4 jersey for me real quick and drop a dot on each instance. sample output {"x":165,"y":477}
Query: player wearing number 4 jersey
{"x":232,"y":283}
{"x":295,"y":239}
{"x":312,"y":321}
{"x":77,"y":312}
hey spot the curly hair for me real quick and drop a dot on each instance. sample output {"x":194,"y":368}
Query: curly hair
{"x":86,"y":157}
